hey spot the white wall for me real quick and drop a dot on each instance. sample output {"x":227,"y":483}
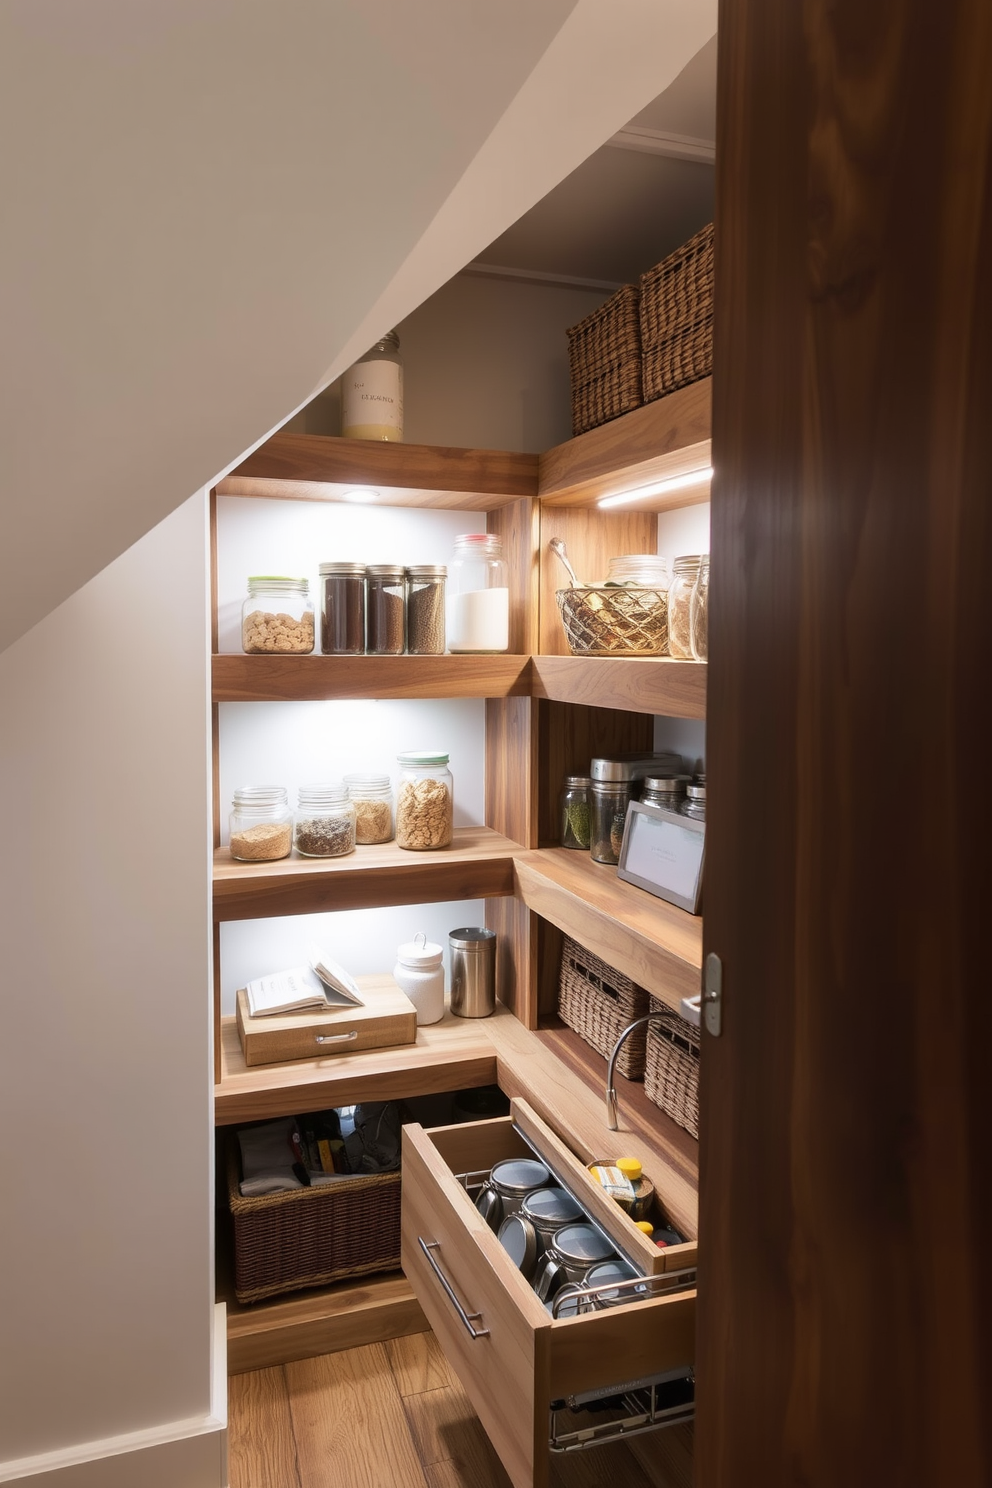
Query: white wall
{"x":105,"y":1061}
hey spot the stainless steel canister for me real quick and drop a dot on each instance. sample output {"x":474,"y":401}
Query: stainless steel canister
{"x":508,"y":1184}
{"x":575,"y":1249}
{"x":473,"y":972}
{"x":548,"y":1209}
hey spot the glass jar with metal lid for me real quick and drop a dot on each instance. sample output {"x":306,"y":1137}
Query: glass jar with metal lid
{"x":665,"y":790}
{"x":261,"y":823}
{"x":695,"y":801}
{"x":277,"y":616}
{"x":573,"y":1251}
{"x":342,"y":613}
{"x":372,"y":797}
{"x":684,"y":573}
{"x":575,"y":821}
{"x":608,"y":803}
{"x":508,"y":1184}
{"x":425,"y":802}
{"x":425,"y":609}
{"x":385,"y":609}
{"x":324,"y":825}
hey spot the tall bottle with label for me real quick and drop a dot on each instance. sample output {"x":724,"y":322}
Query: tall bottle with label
{"x":372,"y":393}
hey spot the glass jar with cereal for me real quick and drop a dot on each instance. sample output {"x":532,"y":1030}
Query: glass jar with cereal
{"x":424,"y":802}
{"x":277,"y":616}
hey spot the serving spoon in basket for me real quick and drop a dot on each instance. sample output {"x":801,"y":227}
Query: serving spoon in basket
{"x":558,"y":548}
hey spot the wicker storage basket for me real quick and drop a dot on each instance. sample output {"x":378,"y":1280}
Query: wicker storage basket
{"x":604,"y":360}
{"x":614,"y":621}
{"x":671,"y":1074}
{"x":312,"y":1236}
{"x":598,"y":1003}
{"x":677,"y":318}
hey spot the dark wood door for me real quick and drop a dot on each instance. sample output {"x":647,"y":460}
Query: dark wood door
{"x":846,"y":1215}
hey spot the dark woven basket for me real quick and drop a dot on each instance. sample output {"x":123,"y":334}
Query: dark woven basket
{"x":598,"y":1003}
{"x":312,"y":1236}
{"x":671,"y":1074}
{"x":676,"y":315}
{"x":604,"y":360}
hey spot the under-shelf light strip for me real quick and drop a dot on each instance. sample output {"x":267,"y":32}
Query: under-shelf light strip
{"x":659,"y":488}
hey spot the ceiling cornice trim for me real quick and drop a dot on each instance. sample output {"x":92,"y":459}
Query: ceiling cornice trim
{"x":538,"y":276}
{"x":657,"y":142}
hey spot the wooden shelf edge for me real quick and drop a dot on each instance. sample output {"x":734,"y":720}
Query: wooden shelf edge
{"x":676,"y":689}
{"x":240,"y":678}
{"x":657,"y":945}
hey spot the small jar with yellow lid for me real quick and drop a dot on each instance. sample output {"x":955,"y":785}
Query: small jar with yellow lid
{"x":623,"y":1179}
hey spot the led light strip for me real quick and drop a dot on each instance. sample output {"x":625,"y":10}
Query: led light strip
{"x":658,"y":488}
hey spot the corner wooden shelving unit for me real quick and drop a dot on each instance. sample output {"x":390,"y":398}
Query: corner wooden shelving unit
{"x":546,"y":713}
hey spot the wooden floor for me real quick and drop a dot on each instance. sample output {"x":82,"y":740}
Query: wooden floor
{"x":390,"y":1415}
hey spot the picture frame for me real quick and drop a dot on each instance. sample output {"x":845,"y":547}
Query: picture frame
{"x":663,"y":852}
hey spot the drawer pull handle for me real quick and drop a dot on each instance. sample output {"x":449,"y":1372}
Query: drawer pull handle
{"x":468,"y":1318}
{"x":336,"y":1038}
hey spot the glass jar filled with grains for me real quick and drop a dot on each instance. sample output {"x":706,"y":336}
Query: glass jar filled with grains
{"x":695,"y":801}
{"x":324,"y":826}
{"x":684,"y":572}
{"x":342,"y":610}
{"x":277,"y":616}
{"x":665,"y":790}
{"x":608,"y":800}
{"x":385,"y":609}
{"x":424,"y":802}
{"x":261,"y":823}
{"x":425,"y":609}
{"x":372,"y":798}
{"x":699,"y":611}
{"x":575,"y":820}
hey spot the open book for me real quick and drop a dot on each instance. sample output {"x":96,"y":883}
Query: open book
{"x":321,"y":984}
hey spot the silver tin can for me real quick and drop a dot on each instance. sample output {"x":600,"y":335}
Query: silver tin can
{"x":473,"y":972}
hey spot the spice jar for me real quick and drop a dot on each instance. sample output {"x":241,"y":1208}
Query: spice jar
{"x":695,"y":802}
{"x":424,"y":802}
{"x":478,"y":605}
{"x":419,"y":973}
{"x":261,"y":823}
{"x":608,"y":801}
{"x":665,"y":790}
{"x":574,"y":813}
{"x":684,"y":571}
{"x":372,"y":798}
{"x":342,"y":614}
{"x":425,"y":609}
{"x":699,"y":609}
{"x":385,"y":609}
{"x":325,"y":822}
{"x":372,"y":393}
{"x":277,"y":616}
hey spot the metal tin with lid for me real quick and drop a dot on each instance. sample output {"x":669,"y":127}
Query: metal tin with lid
{"x":633,"y":766}
{"x":508,"y":1184}
{"x":518,"y":1238}
{"x":575,"y":1249}
{"x":614,"y":1271}
{"x":548,"y":1210}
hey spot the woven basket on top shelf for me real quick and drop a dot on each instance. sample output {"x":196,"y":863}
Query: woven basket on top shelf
{"x":671,"y":1072}
{"x":604,"y":360}
{"x":598,"y":1003}
{"x":676,"y":316}
{"x":312,"y":1236}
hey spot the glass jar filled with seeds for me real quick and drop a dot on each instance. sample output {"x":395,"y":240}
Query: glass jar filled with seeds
{"x":385,"y":609}
{"x":324,"y":826}
{"x":342,"y":611}
{"x":425,"y":609}
{"x":424,"y":802}
{"x":372,"y":798}
{"x":277,"y":616}
{"x":261,"y":823}
{"x":575,"y":822}
{"x":684,"y":573}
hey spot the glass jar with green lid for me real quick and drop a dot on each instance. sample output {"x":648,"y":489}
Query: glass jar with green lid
{"x":424,"y":801}
{"x":277,"y":616}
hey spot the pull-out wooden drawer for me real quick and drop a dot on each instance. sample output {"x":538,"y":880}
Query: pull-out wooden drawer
{"x":511,"y":1357}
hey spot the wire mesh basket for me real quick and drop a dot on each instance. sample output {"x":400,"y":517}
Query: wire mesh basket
{"x":614,"y":620}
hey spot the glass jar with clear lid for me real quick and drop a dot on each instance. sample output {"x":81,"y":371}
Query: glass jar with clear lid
{"x":684,"y":572}
{"x":575,"y":817}
{"x":372,"y":393}
{"x":261,"y":823}
{"x":424,"y":802}
{"x":385,"y":609}
{"x":372,"y":798}
{"x":699,"y":611}
{"x":665,"y":790}
{"x":478,"y":601}
{"x":695,"y":801}
{"x":342,"y":609}
{"x":425,"y":609}
{"x":277,"y":616}
{"x":324,"y":825}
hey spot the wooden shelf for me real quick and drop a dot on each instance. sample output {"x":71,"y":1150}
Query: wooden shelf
{"x":659,"y":946}
{"x":455,"y":1054}
{"x":278,"y":679}
{"x":318,"y":467}
{"x":478,"y":866}
{"x":667,"y":438}
{"x":649,"y":685}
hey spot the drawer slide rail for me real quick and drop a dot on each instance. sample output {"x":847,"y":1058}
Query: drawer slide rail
{"x":637,"y":1408}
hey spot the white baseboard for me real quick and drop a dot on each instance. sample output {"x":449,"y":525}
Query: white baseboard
{"x":178,"y":1454}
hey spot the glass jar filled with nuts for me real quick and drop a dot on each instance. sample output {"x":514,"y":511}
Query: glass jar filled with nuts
{"x":277,"y":616}
{"x":424,"y":802}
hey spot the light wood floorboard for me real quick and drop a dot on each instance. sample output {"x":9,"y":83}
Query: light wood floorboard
{"x":393,"y":1416}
